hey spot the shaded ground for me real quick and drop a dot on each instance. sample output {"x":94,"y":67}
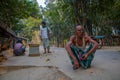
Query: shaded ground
{"x":33,"y":73}
{"x":57,"y":66}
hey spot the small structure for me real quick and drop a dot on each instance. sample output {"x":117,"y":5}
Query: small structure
{"x":34,"y":49}
{"x":7,"y":40}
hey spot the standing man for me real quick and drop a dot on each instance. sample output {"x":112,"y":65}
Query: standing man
{"x":45,"y":37}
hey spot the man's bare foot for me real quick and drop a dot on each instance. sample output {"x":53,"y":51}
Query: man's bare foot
{"x":74,"y":68}
{"x":44,"y":53}
{"x":49,"y":52}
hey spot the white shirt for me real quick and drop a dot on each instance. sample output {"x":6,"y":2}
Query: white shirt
{"x":43,"y":32}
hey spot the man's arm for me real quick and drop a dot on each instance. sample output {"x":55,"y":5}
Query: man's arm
{"x":93,"y":49}
{"x":40,"y":33}
{"x":67,"y":47}
{"x":40,"y":37}
{"x":50,"y":32}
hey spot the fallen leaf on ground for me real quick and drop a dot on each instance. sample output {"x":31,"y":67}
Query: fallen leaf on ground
{"x":47,"y":60}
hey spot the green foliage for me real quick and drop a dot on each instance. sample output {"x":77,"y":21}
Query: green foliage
{"x":13,"y":10}
{"x":31,"y":24}
{"x":97,"y":15}
{"x":20,"y":14}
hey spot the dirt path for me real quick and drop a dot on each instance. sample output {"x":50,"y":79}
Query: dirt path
{"x":105,"y":66}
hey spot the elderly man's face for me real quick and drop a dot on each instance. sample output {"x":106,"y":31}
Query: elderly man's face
{"x":79,"y":30}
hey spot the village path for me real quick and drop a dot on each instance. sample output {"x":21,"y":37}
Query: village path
{"x":57,"y":66}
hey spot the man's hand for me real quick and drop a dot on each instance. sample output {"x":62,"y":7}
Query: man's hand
{"x":76,"y":64}
{"x":84,"y":57}
{"x":40,"y":38}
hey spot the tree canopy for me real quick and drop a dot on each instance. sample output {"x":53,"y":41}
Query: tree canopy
{"x":98,"y":17}
{"x":20,"y":14}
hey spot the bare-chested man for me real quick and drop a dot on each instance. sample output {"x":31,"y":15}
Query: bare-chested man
{"x":76,"y":48}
